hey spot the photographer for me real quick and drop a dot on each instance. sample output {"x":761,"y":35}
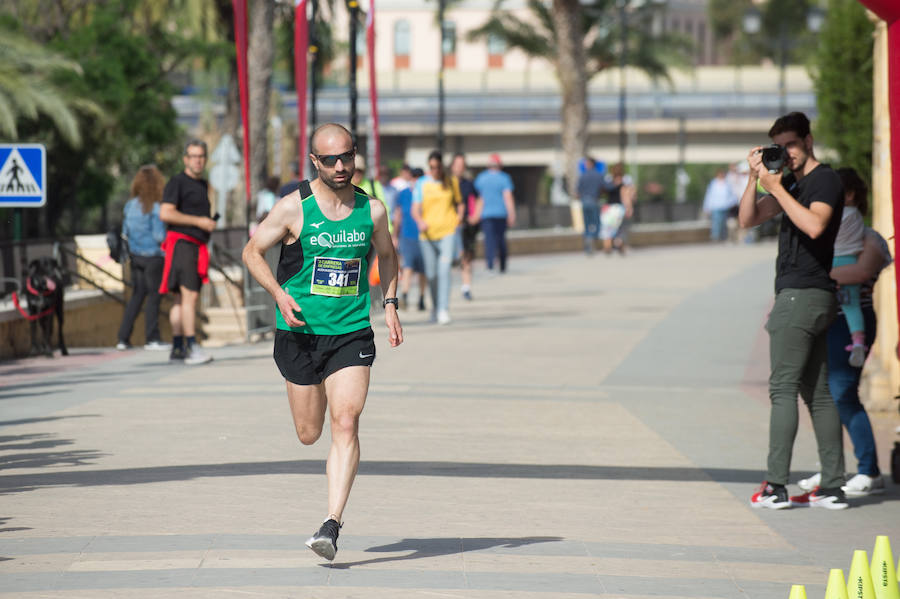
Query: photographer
{"x":811,"y":198}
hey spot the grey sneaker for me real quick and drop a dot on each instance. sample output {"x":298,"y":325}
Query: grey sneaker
{"x":122,"y":346}
{"x":195,"y":355}
{"x":324,"y":542}
{"x":157,"y":346}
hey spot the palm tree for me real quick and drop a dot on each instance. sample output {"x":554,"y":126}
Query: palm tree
{"x":28,"y":89}
{"x":581,"y":40}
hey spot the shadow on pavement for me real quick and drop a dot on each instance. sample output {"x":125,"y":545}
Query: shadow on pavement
{"x":14,"y":483}
{"x":44,"y":419}
{"x":422,"y":548}
{"x":25,"y":456}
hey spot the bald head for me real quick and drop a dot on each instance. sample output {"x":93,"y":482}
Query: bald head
{"x":331,"y":135}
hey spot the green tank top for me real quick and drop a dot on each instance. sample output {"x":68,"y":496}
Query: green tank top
{"x":326,"y":270}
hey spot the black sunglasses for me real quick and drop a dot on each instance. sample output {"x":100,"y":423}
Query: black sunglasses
{"x":330,"y":160}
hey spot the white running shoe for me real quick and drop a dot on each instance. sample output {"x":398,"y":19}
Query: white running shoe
{"x":157,"y":346}
{"x":443,"y":317}
{"x":808,"y":484}
{"x":195,"y":355}
{"x":862,"y":485}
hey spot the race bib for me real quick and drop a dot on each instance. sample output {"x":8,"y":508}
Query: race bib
{"x":335,"y":277}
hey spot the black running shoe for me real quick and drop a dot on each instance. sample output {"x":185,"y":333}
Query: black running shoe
{"x":771,"y":496}
{"x":324,"y":542}
{"x":177,"y":354}
{"x":831,"y":499}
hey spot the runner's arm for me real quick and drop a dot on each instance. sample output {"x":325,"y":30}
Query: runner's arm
{"x":274,"y":228}
{"x":387,"y":269}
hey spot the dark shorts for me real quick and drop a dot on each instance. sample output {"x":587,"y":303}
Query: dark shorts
{"x":184,"y":267}
{"x":411,"y":254}
{"x":309,"y":359}
{"x":469,"y":236}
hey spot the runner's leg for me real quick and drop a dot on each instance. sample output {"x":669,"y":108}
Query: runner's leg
{"x":346,"y":390}
{"x":307,"y":404}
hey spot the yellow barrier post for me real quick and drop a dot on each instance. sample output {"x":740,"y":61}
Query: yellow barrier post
{"x":798,"y":591}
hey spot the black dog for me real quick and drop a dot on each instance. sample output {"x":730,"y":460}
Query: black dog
{"x":43,"y":292}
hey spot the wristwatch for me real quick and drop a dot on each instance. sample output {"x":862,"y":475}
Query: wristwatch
{"x":391,"y":300}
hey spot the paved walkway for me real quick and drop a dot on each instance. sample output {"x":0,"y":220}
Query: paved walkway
{"x":585,"y":427}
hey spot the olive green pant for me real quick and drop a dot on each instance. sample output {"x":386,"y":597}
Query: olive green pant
{"x":798,"y":351}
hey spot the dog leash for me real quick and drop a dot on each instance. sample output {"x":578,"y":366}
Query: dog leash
{"x":32,"y":290}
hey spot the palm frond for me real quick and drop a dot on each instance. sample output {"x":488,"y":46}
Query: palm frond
{"x":7,"y":118}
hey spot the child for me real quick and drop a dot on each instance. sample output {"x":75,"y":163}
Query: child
{"x":847,"y":246}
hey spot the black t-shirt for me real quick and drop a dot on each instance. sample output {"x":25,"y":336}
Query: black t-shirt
{"x":189,"y":196}
{"x":803,"y":262}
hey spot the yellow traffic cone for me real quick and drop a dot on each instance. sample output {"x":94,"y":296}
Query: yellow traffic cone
{"x":837,"y":588}
{"x":798,"y":591}
{"x":859,"y":582}
{"x":884,"y":579}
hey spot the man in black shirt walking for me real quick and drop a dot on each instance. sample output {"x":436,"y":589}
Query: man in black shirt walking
{"x":185,"y":209}
{"x":810,"y":197}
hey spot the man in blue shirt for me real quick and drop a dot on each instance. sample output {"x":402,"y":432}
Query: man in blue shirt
{"x":499,"y":210}
{"x":407,"y":232}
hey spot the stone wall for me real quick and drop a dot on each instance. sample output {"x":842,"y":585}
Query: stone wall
{"x":92,"y":319}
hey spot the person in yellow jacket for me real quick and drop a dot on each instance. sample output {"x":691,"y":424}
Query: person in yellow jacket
{"x":438,"y":211}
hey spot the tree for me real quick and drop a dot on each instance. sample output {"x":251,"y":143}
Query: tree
{"x":842,"y":76}
{"x":580,"y":41}
{"x":30,"y":88}
{"x":126,"y":63}
{"x":260,"y":63}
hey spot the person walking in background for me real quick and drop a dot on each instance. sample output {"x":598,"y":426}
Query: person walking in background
{"x":408,"y":243}
{"x":811,"y":199}
{"x":718,"y":202}
{"x":498,"y":212}
{"x":404,"y":178}
{"x":736,"y":177}
{"x":468,"y":230}
{"x":619,"y":206}
{"x":437,"y":210}
{"x":145,"y":232}
{"x":185,"y":209}
{"x":369,"y":185}
{"x":390,"y":193}
{"x":590,"y":187}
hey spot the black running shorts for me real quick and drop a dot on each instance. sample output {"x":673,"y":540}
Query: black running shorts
{"x":183,"y":272}
{"x":309,"y":359}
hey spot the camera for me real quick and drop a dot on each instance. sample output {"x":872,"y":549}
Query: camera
{"x":773,"y":157}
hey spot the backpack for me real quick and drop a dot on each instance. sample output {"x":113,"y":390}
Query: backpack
{"x":118,"y":247}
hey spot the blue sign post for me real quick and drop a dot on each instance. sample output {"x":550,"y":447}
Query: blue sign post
{"x":23,"y":175}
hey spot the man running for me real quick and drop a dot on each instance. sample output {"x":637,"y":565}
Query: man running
{"x":324,"y":344}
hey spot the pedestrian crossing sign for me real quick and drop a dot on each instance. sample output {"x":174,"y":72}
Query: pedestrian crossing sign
{"x":23,"y":175}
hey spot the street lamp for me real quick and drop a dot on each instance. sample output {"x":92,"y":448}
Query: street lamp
{"x":353,"y":6}
{"x":752,"y":22}
{"x":656,"y":27}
